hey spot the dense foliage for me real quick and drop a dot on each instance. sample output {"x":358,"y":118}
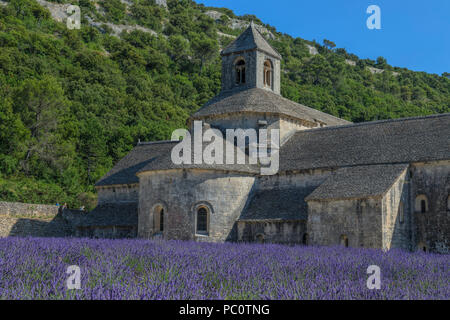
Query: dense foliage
{"x":35,"y":268}
{"x":73,"y":102}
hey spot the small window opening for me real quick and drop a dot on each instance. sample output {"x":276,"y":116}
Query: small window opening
{"x":260,"y":238}
{"x":161,"y":220}
{"x":240,"y":72}
{"x":202,"y":220}
{"x":305,"y":239}
{"x":344,"y":241}
{"x":267,"y":73}
{"x":401,"y":212}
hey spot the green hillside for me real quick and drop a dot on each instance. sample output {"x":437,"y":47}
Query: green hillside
{"x":73,"y":102}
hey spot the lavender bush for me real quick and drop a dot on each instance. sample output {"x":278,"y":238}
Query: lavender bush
{"x":35,"y":268}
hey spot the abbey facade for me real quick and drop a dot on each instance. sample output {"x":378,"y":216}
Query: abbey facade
{"x":382,"y":184}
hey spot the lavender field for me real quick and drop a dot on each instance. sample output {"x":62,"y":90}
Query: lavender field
{"x":35,"y":268}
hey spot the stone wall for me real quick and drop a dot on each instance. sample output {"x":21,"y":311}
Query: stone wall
{"x":181,"y":192}
{"x":431,"y":228}
{"x":118,"y":193}
{"x":359,"y":220}
{"x":241,"y":120}
{"x":290,"y":126}
{"x":254,"y":71}
{"x":28,"y":210}
{"x":107,"y":232}
{"x":37,"y":220}
{"x":252,"y":120}
{"x":286,"y":232}
{"x":261,"y":57}
{"x":397,"y":221}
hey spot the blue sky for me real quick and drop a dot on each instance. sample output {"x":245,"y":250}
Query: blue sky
{"x":414,"y":34}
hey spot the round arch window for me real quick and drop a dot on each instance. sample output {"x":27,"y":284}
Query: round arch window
{"x":268,"y":72}
{"x":421,"y":204}
{"x":240,"y":71}
{"x":159,"y":215}
{"x":202,"y":220}
{"x":344,"y":241}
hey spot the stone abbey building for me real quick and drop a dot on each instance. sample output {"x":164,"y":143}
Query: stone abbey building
{"x":382,"y":184}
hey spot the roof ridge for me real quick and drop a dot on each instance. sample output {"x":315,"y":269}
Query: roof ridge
{"x":368,"y":123}
{"x":254,"y":27}
{"x":146,"y":143}
{"x":250,"y":39}
{"x":305,"y":106}
{"x":256,"y":99}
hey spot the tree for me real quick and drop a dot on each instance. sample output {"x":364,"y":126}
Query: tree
{"x":92,"y":148}
{"x":330,"y":45}
{"x":41,"y":104}
{"x":205,"y":49}
{"x":179,"y":48}
{"x":12,"y":136}
{"x":381,"y":63}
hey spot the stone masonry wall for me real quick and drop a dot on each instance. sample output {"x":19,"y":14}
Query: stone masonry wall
{"x":119,"y":193}
{"x":23,"y":219}
{"x":27,"y":209}
{"x":287,"y":232}
{"x":254,"y":71}
{"x":432,"y":228}
{"x":357,"y":219}
{"x":180,"y":192}
{"x":397,"y":231}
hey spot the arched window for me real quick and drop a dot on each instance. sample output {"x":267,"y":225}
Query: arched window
{"x":158,"y":218}
{"x":421,"y":204}
{"x":240,"y":72}
{"x":305,"y":239}
{"x":268,"y":73}
{"x":161,"y":220}
{"x":259,"y":238}
{"x":401,"y":212}
{"x":202,"y":220}
{"x":344,"y":241}
{"x":422,"y":247}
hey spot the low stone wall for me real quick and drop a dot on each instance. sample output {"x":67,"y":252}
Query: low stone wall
{"x":36,"y":227}
{"x":17,"y":209}
{"x":36,"y":220}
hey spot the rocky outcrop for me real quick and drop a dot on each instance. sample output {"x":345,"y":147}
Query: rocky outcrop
{"x":237,"y":24}
{"x":59,"y":13}
{"x":312,"y":50}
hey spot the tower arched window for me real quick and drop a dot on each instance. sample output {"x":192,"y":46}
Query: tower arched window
{"x":268,"y":71}
{"x":240,"y":72}
{"x":421,"y":204}
{"x":202,"y":220}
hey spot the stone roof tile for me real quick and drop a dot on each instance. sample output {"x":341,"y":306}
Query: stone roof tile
{"x":251,"y":39}
{"x":111,"y":214}
{"x":263,"y":101}
{"x":277,"y":204}
{"x":358,"y":182}
{"x":380,"y":142}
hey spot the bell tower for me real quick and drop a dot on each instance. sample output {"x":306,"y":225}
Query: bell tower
{"x":251,"y":62}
